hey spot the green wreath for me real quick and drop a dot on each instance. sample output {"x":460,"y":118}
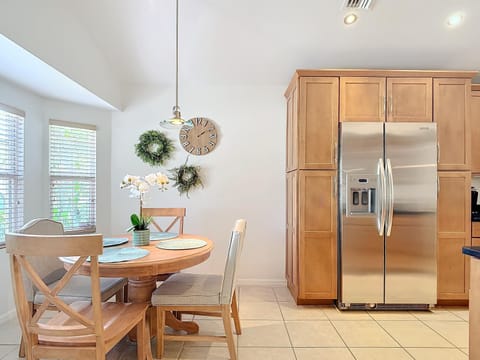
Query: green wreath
{"x":186,"y":177}
{"x":154,"y":147}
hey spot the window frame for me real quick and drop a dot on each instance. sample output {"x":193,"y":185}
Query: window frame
{"x":93,"y":204}
{"x":18,"y":176}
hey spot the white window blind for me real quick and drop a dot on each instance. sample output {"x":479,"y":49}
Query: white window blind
{"x":72,"y":166}
{"x":11,"y":169}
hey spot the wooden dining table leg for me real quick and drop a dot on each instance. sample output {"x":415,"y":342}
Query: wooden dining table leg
{"x":171,"y":320}
{"x":140,"y":291}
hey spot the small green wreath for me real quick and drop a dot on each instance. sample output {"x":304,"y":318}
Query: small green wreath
{"x":154,"y":147}
{"x":186,"y":177}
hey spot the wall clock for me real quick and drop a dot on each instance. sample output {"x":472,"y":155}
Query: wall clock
{"x":198,"y":136}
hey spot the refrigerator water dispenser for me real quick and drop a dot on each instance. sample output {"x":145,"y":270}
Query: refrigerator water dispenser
{"x":361,"y":195}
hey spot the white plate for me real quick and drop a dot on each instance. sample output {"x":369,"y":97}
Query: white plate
{"x":181,"y":244}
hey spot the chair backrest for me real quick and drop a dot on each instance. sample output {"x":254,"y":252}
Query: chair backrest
{"x":50,"y":269}
{"x":231,"y":265}
{"x":23,"y":247}
{"x":177,"y":213}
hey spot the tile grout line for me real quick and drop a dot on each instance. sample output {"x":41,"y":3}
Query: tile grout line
{"x":341,"y":338}
{"x":436,"y":332}
{"x":285,"y":326}
{"x":400,"y":345}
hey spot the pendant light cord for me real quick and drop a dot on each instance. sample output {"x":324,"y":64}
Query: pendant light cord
{"x":176,"y":61}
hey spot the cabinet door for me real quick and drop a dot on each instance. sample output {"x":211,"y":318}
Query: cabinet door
{"x":317,"y":235}
{"x":318,"y":122}
{"x":291,"y":268}
{"x":409,"y":99}
{"x":292,"y":130}
{"x":453,"y":233}
{"x":451,"y":111}
{"x":362,"y":99}
{"x":475,"y":137}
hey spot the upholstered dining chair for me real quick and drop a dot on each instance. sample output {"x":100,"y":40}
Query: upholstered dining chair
{"x":177,"y":214}
{"x":80,"y":330}
{"x":51,"y":271}
{"x":210,"y":295}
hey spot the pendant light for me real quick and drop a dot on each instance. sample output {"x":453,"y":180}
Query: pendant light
{"x":176,"y":121}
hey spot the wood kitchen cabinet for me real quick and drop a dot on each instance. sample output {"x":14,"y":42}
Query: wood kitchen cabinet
{"x":291,"y":268}
{"x":317,"y":236}
{"x":292,"y":130}
{"x":311,"y":251}
{"x":362,"y":99}
{"x":385,"y":99}
{"x":312,"y":124}
{"x":475,"y":126}
{"x":316,"y":101}
{"x":451,"y":99}
{"x":453,"y":227}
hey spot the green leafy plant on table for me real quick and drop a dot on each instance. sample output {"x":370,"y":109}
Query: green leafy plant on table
{"x":141,"y":232}
{"x":139,"y":222}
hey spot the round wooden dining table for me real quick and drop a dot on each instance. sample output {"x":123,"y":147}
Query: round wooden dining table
{"x":142,"y":273}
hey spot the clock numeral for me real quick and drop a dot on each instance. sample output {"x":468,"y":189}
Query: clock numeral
{"x":191,"y":149}
{"x":206,"y":123}
{"x":211,"y":129}
{"x":206,"y":149}
{"x":183,"y":136}
{"x":186,"y":143}
{"x":197,"y":121}
{"x":199,"y":151}
{"x":213,"y":136}
{"x":211,"y":143}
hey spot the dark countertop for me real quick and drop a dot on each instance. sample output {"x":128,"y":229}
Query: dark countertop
{"x":472,"y":251}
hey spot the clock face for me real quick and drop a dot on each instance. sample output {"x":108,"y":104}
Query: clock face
{"x":198,"y":136}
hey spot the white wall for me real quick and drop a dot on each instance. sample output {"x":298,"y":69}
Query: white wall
{"x":37,"y":113}
{"x":244,"y":175}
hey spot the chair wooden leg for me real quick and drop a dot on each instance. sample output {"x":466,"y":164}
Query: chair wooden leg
{"x":227,"y":324}
{"x":120,"y":295}
{"x":141,"y":339}
{"x":236,"y":318}
{"x":148,"y":335}
{"x":21,"y":349}
{"x":125,"y":294}
{"x":160,"y":332}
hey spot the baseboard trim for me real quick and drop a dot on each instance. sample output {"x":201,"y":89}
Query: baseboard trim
{"x":262,"y":282}
{"x":8,"y":316}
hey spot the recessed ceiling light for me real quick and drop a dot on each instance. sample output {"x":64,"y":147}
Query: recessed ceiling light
{"x":455,"y":19}
{"x":349,"y":19}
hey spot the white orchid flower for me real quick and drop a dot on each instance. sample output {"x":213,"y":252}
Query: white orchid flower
{"x":143,"y":187}
{"x":162,"y":179}
{"x":151,"y":179}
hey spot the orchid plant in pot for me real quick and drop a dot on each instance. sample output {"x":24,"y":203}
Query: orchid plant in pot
{"x":138,"y":187}
{"x":141,"y":232}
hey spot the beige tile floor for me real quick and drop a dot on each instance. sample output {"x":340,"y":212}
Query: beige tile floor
{"x":274,"y":328}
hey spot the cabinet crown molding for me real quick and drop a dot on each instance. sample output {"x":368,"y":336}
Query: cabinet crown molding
{"x":467,"y":74}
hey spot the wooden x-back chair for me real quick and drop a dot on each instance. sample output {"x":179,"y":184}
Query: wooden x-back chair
{"x":83,"y":329}
{"x":176,"y":213}
{"x":51,"y":270}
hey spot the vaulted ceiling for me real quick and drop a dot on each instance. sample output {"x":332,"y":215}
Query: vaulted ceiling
{"x":248,"y":42}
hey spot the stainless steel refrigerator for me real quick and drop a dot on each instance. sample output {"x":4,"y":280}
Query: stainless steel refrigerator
{"x":387,"y":215}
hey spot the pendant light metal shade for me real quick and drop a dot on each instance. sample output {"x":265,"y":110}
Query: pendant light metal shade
{"x":176,"y":121}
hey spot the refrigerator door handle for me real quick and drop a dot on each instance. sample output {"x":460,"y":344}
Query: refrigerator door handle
{"x":381,"y":196}
{"x":391,"y":197}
